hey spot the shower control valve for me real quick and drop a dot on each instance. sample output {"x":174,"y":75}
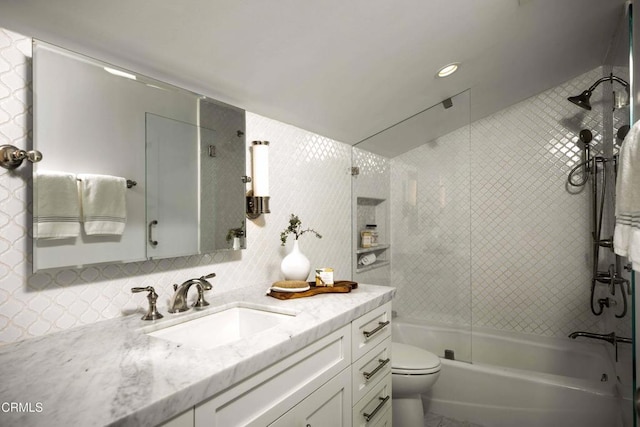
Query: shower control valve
{"x":606,"y":302}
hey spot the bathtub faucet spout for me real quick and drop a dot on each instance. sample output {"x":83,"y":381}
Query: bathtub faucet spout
{"x":610,"y":338}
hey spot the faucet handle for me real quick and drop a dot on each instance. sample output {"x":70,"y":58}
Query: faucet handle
{"x":205,"y":283}
{"x":152,"y":296}
{"x":201,"y":302}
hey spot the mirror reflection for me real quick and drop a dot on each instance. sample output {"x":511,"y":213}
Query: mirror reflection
{"x":184,"y":152}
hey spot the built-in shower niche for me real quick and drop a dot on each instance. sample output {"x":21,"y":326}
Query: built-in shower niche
{"x":370,"y":210}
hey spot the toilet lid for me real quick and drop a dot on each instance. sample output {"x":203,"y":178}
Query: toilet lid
{"x":407,"y":359}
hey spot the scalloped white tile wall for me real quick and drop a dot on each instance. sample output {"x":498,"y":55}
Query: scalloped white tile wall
{"x":495,"y":239}
{"x":309,"y":175}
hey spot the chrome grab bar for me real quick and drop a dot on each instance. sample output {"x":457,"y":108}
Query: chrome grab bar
{"x":373,"y":413}
{"x":381,"y":325}
{"x":382,"y":363}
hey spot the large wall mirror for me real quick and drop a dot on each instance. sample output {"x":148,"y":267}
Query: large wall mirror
{"x":182,"y":154}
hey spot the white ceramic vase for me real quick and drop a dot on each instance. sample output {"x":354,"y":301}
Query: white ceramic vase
{"x":295,"y":266}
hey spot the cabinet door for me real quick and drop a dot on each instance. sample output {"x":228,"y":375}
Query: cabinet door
{"x":330,"y":405}
{"x":266,"y":395}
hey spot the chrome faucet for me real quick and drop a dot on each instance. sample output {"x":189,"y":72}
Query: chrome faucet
{"x":611,"y":338}
{"x":178,"y":302}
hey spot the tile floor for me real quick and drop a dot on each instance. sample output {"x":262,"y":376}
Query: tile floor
{"x":435,"y":420}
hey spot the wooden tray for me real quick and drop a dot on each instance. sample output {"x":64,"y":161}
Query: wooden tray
{"x":341,"y":286}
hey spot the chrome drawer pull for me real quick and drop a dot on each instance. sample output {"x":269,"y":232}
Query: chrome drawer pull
{"x":383,"y":362}
{"x":380,"y":326}
{"x":368,"y":417}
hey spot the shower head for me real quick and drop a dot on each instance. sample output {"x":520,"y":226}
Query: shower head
{"x":582,"y":100}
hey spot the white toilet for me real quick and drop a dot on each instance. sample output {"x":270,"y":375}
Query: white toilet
{"x":413,"y":372}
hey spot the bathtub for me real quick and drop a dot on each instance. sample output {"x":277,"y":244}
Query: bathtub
{"x":517,"y":379}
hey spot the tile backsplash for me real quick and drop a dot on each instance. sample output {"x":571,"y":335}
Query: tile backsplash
{"x":49,"y":301}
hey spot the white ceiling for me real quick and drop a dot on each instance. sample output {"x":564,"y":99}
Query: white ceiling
{"x":346,"y":69}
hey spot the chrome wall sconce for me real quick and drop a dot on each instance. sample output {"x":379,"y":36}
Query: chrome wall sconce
{"x":258,"y":196}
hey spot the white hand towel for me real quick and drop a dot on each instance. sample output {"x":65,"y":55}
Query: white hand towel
{"x":104,"y":208}
{"x":56,"y":207}
{"x":626,"y":237}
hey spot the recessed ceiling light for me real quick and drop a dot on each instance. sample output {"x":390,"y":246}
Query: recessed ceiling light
{"x":448,"y":69}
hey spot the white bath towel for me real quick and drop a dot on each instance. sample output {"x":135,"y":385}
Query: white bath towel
{"x":626,"y":238}
{"x":56,"y":205}
{"x":104,"y":208}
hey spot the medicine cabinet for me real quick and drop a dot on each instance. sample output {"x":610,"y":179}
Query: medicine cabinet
{"x":185,"y":152}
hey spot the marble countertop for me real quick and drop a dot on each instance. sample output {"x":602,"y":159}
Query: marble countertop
{"x":111,"y":372}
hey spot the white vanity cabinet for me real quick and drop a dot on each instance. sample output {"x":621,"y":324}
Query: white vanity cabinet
{"x":272,"y":392}
{"x":341,"y":380}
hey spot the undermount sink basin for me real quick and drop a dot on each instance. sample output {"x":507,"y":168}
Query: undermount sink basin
{"x":222,"y":327}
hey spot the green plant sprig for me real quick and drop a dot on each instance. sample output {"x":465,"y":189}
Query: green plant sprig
{"x":295,"y":228}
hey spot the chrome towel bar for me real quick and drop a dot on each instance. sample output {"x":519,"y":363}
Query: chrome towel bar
{"x":130,"y":183}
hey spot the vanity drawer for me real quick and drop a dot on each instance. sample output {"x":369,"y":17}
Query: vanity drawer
{"x":370,"y":330}
{"x":371,"y":368}
{"x":373,"y":407}
{"x":386,"y":420}
{"x":262,"y":398}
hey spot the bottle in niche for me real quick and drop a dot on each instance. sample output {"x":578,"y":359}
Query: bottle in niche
{"x":373,"y":230}
{"x":365,"y":238}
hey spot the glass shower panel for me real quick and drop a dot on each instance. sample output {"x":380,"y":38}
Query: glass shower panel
{"x":427,"y":237}
{"x":617,"y":118}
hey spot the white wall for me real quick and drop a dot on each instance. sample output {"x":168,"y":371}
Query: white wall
{"x":309,"y":176}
